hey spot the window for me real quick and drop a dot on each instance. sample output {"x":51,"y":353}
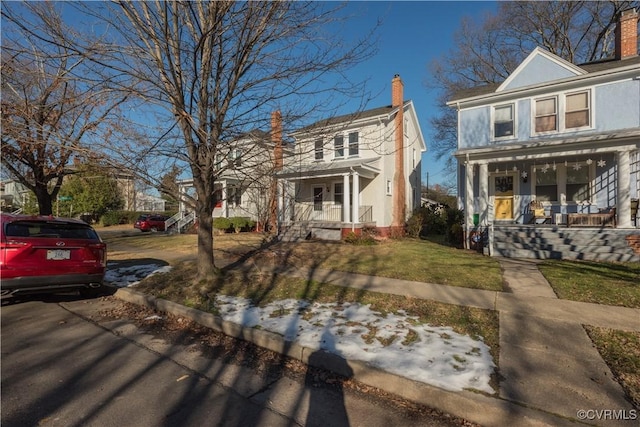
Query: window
{"x":234,"y":158}
{"x":319,"y":150}
{"x":338,"y":193}
{"x":219,"y":160}
{"x":546,"y":115}
{"x":546,"y":186}
{"x":235,"y":196}
{"x":338,"y":145}
{"x":353,"y":144}
{"x":578,"y":184}
{"x":503,"y":121}
{"x":577,"y":110}
{"x":317,"y":199}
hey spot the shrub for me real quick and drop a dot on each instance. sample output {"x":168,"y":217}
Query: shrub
{"x":455,"y":220}
{"x":221,"y":224}
{"x":118,"y":217}
{"x":362,"y":239}
{"x":238,"y":223}
{"x":415,"y":224}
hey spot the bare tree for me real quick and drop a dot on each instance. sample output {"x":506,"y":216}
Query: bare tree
{"x":49,"y":113}
{"x":487,"y":50}
{"x":213,"y":71}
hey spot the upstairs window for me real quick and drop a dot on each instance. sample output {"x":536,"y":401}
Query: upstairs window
{"x":319,"y":150}
{"x":577,"y":112}
{"x":353,"y":144}
{"x":503,"y":121}
{"x":546,"y":115}
{"x":234,"y":158}
{"x":338,"y":146}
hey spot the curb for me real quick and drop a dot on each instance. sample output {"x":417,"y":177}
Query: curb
{"x":475,"y":407}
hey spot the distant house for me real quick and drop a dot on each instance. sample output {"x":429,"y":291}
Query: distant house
{"x":13,"y":195}
{"x":354,"y":171}
{"x":555,"y":144}
{"x":245,"y":183}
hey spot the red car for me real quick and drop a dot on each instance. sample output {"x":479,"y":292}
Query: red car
{"x":43,"y":253}
{"x":150,"y":223}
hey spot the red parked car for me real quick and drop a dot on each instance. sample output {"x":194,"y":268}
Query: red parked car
{"x":43,"y":253}
{"x":150,"y":222}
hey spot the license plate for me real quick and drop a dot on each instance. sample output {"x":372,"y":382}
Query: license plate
{"x":58,"y":254}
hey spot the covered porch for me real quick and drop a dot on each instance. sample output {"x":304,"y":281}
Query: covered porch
{"x":328,"y":195}
{"x":585,"y":183}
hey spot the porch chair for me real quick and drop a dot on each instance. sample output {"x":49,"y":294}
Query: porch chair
{"x":537,"y":209}
{"x":634,"y":212}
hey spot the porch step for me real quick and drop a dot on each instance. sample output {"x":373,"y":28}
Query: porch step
{"x":295,"y":232}
{"x":618,"y":245}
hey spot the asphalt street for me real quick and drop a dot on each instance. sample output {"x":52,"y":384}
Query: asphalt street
{"x":65,"y":364}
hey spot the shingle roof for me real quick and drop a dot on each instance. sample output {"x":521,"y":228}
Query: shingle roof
{"x":592,"y":67}
{"x":348,"y":118}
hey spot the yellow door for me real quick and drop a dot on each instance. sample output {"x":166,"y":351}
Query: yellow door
{"x":503,"y":197}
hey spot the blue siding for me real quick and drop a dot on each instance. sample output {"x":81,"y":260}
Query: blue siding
{"x":475,"y":127}
{"x":523,"y":120}
{"x":539,"y":70}
{"x":614,"y":99}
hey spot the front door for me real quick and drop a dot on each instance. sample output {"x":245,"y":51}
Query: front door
{"x":503,"y":197}
{"x":318,"y":198}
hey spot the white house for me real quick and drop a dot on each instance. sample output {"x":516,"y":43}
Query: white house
{"x":354,"y":171}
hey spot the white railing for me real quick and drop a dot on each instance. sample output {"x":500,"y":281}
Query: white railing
{"x":328,"y":212}
{"x":179,"y":221}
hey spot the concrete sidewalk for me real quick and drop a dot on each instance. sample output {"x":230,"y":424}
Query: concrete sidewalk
{"x":551,"y":374}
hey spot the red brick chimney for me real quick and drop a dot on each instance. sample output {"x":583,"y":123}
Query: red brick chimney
{"x":399,"y":186}
{"x":276,"y":138}
{"x":627,"y":34}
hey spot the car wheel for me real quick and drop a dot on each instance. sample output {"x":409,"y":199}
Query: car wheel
{"x":154,"y":229}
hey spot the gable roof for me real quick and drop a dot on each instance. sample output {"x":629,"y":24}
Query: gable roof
{"x":582,"y":70}
{"x":386,"y":112}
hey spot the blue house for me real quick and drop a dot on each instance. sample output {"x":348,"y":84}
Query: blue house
{"x":555,"y":147}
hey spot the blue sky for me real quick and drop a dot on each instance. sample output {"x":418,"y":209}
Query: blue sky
{"x":412,"y":34}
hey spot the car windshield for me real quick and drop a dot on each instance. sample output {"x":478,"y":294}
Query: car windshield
{"x":54,"y":230}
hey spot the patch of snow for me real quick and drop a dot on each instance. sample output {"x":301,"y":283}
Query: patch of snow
{"x":395,"y":343}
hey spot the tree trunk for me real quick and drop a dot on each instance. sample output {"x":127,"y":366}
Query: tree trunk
{"x":45,"y":204}
{"x":206,"y":266}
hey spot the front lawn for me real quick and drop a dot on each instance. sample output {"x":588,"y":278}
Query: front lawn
{"x":595,"y":282}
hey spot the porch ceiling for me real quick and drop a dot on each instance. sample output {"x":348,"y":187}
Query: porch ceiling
{"x":367,"y":168}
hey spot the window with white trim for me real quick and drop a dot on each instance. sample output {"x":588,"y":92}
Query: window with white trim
{"x":578,"y":183}
{"x":546,"y":112}
{"x":338,"y":193}
{"x":546,"y":186}
{"x":319,"y":149}
{"x":503,"y":121}
{"x":577,"y":110}
{"x":353,"y":144}
{"x":338,"y":146}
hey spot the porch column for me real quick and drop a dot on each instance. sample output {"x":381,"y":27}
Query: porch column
{"x":483,"y":183}
{"x":468,"y":202}
{"x":281,"y":202}
{"x":623,"y":205}
{"x":355,"y":196}
{"x":182,"y":205}
{"x":346,"y":213}
{"x":225,"y":203}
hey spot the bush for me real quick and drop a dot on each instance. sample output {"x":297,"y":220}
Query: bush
{"x":363,"y":239}
{"x":415,"y":224}
{"x":238,"y":223}
{"x":118,"y":217}
{"x":455,"y":221}
{"x":221,"y":224}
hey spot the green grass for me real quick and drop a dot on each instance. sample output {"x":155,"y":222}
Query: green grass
{"x":595,"y":282}
{"x":178,"y":286}
{"x":408,"y":259}
{"x":621,"y":352}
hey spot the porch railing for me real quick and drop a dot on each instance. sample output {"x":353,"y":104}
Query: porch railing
{"x":325,"y":212}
